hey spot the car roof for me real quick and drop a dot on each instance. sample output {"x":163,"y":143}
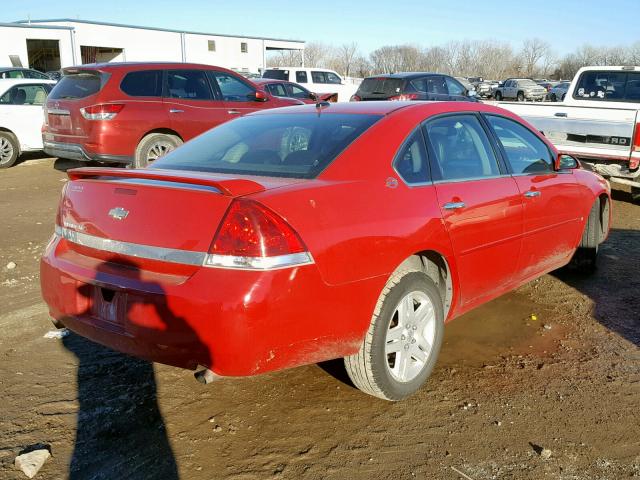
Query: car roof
{"x":405,"y":75}
{"x":387,"y":108}
{"x":130,"y":65}
{"x":9,"y":82}
{"x":269,"y":80}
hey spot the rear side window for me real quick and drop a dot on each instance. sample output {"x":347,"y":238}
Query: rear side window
{"x":276,"y":74}
{"x":411,"y":162}
{"x":278,"y":145}
{"x":526,"y":153}
{"x":146,"y":83}
{"x":78,"y":85}
{"x":608,"y":86}
{"x":301,"y":77}
{"x":188,"y":85}
{"x":461,"y":148}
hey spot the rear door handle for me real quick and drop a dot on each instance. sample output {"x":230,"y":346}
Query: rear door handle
{"x":453,"y":205}
{"x":560,"y":114}
{"x":532,"y":193}
{"x":234,"y":112}
{"x":176,"y":110}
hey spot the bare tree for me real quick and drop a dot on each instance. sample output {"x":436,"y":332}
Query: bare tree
{"x":346,"y":55}
{"x":533,"y":51}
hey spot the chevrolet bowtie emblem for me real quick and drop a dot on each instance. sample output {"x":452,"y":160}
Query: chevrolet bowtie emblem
{"x":118,"y":213}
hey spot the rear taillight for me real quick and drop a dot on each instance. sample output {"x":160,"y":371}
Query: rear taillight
{"x":103,"y":111}
{"x":404,"y":97}
{"x":355,"y":98}
{"x":253,"y":237}
{"x":635,"y":162}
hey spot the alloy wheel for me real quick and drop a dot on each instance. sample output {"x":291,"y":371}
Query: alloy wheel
{"x":411,"y":336}
{"x":159,"y":149}
{"x":6,"y":150}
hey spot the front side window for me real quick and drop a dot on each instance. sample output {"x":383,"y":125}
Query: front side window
{"x":25,"y":95}
{"x":278,"y":145}
{"x":36,"y":75}
{"x":301,"y":77}
{"x":461,"y":148}
{"x":411,"y":161}
{"x":145,"y":83}
{"x":454,"y":87}
{"x":333,"y":78}
{"x":188,"y":85}
{"x":231,"y":88}
{"x":298,"y":92}
{"x":525,"y":152}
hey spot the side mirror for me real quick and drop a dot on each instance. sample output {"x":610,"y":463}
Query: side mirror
{"x":259,"y":96}
{"x":566,"y":162}
{"x":313,"y":96}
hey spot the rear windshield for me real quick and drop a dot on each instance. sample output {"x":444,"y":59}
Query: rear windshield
{"x":616,"y":86}
{"x":78,"y":85}
{"x":276,"y":74}
{"x":276,"y":145}
{"x":378,"y":86}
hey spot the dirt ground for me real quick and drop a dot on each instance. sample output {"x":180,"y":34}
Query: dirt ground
{"x":505,"y":387}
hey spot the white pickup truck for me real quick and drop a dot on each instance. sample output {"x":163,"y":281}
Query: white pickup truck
{"x":317,"y":80}
{"x":598,"y":122}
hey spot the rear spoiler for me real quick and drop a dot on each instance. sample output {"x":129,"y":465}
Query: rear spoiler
{"x":233,"y":187}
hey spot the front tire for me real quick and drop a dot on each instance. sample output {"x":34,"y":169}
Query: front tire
{"x":9,"y":149}
{"x":520,"y":97}
{"x":635,"y":194}
{"x":498,"y":96}
{"x":154,"y":146}
{"x":404,"y":337}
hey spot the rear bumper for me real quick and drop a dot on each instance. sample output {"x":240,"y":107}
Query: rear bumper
{"x":74,"y":151}
{"x":235,"y":322}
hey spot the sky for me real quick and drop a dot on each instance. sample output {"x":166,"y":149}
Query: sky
{"x":566,"y":24}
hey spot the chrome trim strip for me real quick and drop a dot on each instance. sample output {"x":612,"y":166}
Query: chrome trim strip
{"x":185,"y":257}
{"x":58,"y":111}
{"x":132,"y":249}
{"x":258,"y":263}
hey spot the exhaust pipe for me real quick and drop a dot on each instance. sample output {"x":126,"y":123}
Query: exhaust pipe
{"x":206,"y":376}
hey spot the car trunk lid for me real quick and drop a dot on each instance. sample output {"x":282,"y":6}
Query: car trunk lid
{"x":167,"y":219}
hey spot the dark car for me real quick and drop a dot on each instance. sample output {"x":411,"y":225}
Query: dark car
{"x":20,"y":72}
{"x":283,"y":88}
{"x":412,"y":86}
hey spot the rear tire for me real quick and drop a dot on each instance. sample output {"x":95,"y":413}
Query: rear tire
{"x":586,"y":257}
{"x":635,"y":194}
{"x":9,"y":149}
{"x":154,"y":146}
{"x":402,"y":343}
{"x":498,"y":96}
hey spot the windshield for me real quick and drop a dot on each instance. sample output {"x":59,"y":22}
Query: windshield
{"x":279,"y":145}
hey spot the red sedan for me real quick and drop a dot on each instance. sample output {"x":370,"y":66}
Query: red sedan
{"x":298,"y":235}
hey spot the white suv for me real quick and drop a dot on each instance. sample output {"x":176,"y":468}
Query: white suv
{"x":318,"y":80}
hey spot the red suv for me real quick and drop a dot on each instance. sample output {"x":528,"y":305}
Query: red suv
{"x":133,"y":113}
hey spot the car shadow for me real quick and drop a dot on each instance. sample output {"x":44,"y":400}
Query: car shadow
{"x":120,"y":430}
{"x":614,"y":286}
{"x":64,"y":164}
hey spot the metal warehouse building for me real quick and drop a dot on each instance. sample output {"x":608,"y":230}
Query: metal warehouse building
{"x":52,"y":44}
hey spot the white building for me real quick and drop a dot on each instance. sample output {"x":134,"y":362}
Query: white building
{"x":52,"y":44}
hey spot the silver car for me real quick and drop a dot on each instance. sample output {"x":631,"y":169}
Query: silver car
{"x":521,"y":89}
